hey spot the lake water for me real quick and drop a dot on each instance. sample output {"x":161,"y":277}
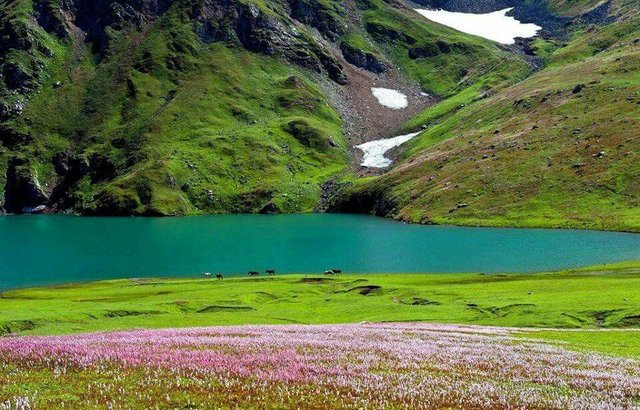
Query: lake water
{"x":38,"y":250}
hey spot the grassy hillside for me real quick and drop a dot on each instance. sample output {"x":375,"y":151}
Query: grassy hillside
{"x":171,"y":109}
{"x":558,"y":149}
{"x":442,"y":60}
{"x":168,"y":125}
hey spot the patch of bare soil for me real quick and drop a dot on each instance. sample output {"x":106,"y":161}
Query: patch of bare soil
{"x":365,"y":119}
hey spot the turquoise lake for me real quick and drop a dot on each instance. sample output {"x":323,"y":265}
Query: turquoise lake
{"x":42,"y":250}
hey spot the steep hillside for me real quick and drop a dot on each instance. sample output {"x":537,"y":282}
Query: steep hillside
{"x":559,"y":149}
{"x":149,"y":114}
{"x":163,"y":107}
{"x":183,"y":106}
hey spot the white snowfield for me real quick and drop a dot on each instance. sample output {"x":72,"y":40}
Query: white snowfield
{"x":495,"y":26}
{"x":374,"y":150}
{"x":390,"y":98}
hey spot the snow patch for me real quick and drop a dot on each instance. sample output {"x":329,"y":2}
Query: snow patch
{"x":374,"y":150}
{"x":495,"y":26}
{"x":390,"y":98}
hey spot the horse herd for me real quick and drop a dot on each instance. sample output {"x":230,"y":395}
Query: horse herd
{"x":269,"y":272}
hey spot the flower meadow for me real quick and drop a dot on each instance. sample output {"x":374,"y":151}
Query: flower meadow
{"x":390,"y":365}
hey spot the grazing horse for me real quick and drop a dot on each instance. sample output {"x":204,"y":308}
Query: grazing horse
{"x":270,"y":272}
{"x":253,"y":273}
{"x":219,"y":276}
{"x":207,"y":274}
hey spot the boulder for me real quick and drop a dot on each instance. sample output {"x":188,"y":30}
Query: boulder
{"x":270,"y":208}
{"x":23,"y":189}
{"x":362,"y":59}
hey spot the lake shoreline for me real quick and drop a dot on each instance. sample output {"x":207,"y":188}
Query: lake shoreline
{"x":44,"y":249}
{"x":551,"y":300}
{"x":320,"y":277}
{"x":462,"y":223}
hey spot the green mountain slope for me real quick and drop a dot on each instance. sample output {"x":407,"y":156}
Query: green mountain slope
{"x":163,"y":107}
{"x":559,"y":149}
{"x":160,"y":122}
{"x":182,"y":107}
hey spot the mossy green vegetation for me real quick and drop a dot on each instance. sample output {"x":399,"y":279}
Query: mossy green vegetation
{"x":554,"y":150}
{"x":168,"y":124}
{"x":599,"y":297}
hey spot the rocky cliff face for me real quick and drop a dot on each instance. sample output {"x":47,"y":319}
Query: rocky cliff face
{"x":229,"y":21}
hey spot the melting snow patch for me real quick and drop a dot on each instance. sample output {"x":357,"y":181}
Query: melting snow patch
{"x":374,"y":150}
{"x":390,"y":98}
{"x":495,"y":26}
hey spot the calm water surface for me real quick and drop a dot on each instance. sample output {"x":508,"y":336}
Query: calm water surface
{"x":39,"y":250}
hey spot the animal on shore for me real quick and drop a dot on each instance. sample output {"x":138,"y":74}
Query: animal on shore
{"x":206,"y":274}
{"x":270,"y":272}
{"x":219,"y":276}
{"x":253,"y":273}
{"x":332,"y":272}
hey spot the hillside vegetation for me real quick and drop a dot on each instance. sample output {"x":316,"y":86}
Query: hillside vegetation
{"x":559,"y":149}
{"x":184,"y":107}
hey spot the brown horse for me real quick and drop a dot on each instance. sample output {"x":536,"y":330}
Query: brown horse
{"x":270,"y":272}
{"x":253,"y":273}
{"x":219,"y":276}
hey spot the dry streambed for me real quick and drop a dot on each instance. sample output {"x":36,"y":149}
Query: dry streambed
{"x":341,"y":366}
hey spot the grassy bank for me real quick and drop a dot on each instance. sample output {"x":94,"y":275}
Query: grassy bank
{"x":591,"y":298}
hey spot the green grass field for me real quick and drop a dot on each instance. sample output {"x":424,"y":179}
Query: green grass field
{"x":601,"y":299}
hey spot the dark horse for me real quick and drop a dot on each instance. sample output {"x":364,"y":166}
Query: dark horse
{"x":253,"y":273}
{"x":270,"y":272}
{"x":219,"y":276}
